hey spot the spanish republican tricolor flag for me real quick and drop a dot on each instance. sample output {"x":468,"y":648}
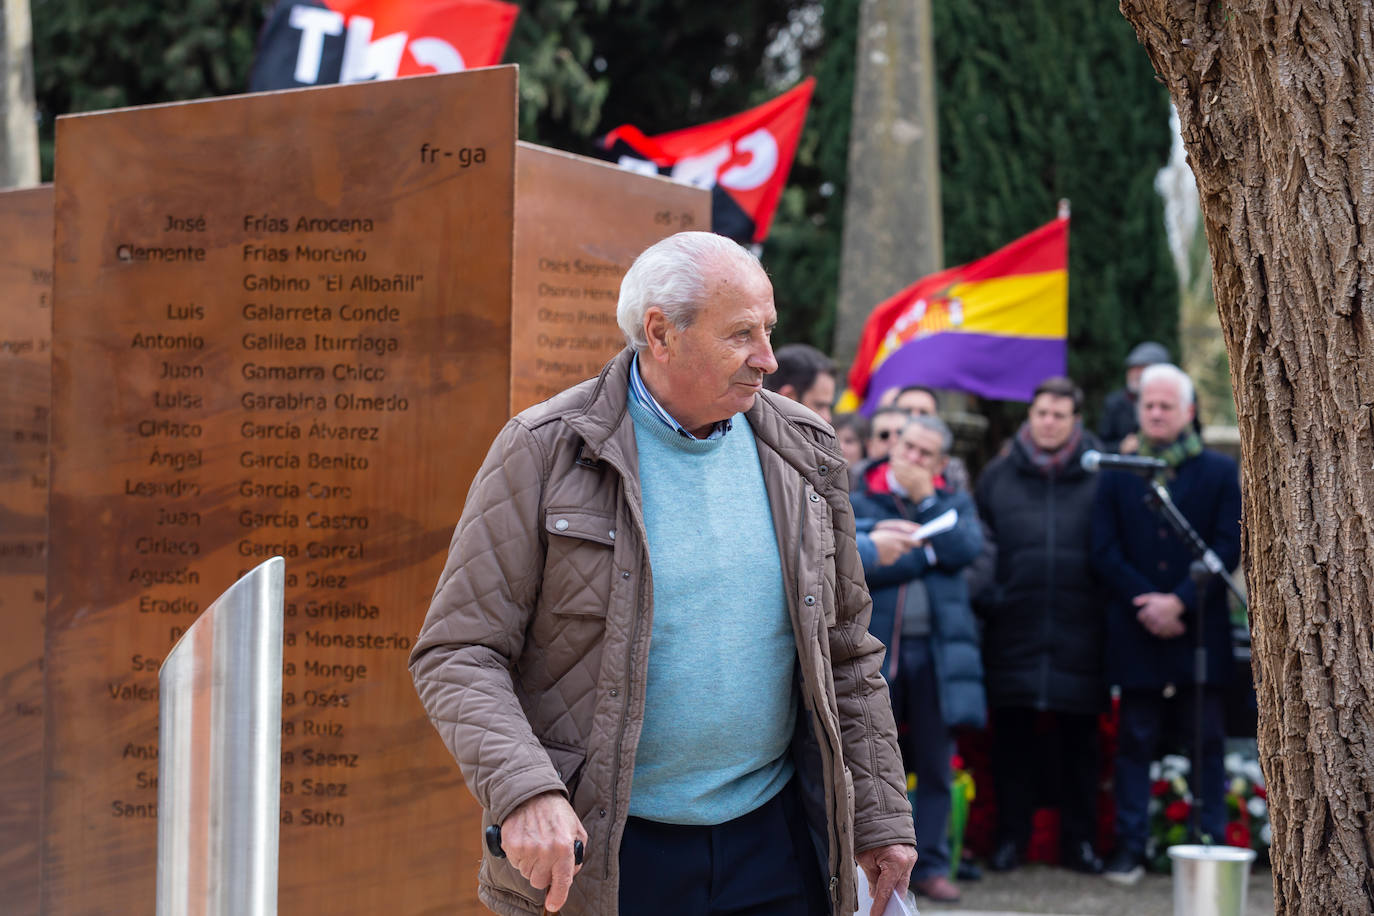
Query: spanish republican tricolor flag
{"x":996,"y":327}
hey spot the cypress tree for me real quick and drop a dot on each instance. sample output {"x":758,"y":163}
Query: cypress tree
{"x":1048,"y":99}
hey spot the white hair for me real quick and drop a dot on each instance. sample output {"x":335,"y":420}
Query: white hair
{"x":1168,"y":372}
{"x":936,"y":425}
{"x":673,"y":274}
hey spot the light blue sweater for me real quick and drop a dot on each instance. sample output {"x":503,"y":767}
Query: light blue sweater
{"x":720,"y":706}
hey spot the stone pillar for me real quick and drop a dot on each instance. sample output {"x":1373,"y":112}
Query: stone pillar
{"x":892,"y":227}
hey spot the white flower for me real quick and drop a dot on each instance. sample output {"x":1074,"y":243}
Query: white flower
{"x":1176,"y":764}
{"x":1253,"y":772}
{"x":1257,"y":807}
{"x":1267,"y":835}
{"x":1179,"y":785}
{"x":1154,"y":771}
{"x":1238,"y":785}
{"x":1232,"y":762}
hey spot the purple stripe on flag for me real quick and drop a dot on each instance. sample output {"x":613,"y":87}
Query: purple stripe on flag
{"x":988,"y":365}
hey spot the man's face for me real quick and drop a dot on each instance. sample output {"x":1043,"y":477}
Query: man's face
{"x":1051,"y":421}
{"x":1162,"y":413}
{"x":714,"y":369}
{"x":916,"y":403}
{"x":820,"y":395}
{"x":886,"y":428}
{"x":921,"y":447}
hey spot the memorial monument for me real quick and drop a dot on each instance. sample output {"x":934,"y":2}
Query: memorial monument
{"x":283,"y":330}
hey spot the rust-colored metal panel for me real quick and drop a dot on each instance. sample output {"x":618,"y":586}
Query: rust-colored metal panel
{"x":282,"y":328}
{"x":25,"y":336}
{"x":579,"y":223}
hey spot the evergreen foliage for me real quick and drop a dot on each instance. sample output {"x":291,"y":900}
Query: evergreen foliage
{"x":90,"y":56}
{"x":1049,"y":99}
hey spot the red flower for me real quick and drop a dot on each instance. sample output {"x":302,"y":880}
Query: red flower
{"x":1159,"y":788}
{"x":1259,"y":792}
{"x":1177,"y":811}
{"x":1237,"y":834}
{"x":956,"y":763}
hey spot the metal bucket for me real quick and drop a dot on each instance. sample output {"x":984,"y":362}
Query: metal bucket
{"x":1210,"y":880}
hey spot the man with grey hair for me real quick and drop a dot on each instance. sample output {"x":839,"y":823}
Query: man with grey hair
{"x":650,"y":637}
{"x":1156,"y":610}
{"x":921,"y":613}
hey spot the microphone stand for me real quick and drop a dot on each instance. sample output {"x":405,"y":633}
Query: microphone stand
{"x":1205,"y":565}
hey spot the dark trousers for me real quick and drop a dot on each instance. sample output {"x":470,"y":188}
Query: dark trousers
{"x":1143,"y":717}
{"x":760,"y":864}
{"x":1044,"y":754}
{"x":926,"y":749}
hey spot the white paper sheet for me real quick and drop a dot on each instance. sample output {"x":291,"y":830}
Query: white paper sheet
{"x":938,"y":525}
{"x":895,"y":906}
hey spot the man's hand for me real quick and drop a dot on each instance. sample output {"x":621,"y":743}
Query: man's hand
{"x":538,"y":840}
{"x":888,"y":869}
{"x":1129,"y":445}
{"x":914,"y":478}
{"x":893,"y":538}
{"x":1160,"y":613}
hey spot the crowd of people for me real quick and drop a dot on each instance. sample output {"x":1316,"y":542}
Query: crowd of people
{"x":1052,"y":584}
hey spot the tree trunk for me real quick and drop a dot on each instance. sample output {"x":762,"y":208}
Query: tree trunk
{"x":1276,"y":100}
{"x":892,"y":234}
{"x":18,"y":129}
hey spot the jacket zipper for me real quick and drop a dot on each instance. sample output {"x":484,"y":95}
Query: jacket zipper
{"x":834,"y":753}
{"x":630,"y":699}
{"x":1043,"y":701}
{"x":620,"y":735}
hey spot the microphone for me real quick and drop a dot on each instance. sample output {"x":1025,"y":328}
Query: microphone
{"x":1094,"y":461}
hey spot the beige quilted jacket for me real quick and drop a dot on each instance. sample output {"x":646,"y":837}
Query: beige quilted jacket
{"x":532,"y":658}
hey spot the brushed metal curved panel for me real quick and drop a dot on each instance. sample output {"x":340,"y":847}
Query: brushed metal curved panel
{"x":219,"y":760}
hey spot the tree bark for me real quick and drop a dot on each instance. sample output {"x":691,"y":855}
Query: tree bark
{"x":18,"y":129}
{"x":1276,"y":100}
{"x":892,"y":234}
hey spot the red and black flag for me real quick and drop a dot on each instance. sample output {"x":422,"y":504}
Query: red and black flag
{"x":314,"y":42}
{"x":743,"y":159}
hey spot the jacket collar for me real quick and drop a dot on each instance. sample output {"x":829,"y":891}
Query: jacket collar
{"x":818,"y":463}
{"x":605,"y":413}
{"x":607,"y":430}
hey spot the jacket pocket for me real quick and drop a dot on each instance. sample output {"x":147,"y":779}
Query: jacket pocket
{"x":567,"y":761}
{"x":579,"y":561}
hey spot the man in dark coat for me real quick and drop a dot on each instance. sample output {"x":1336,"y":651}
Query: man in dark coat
{"x":1155,"y":612}
{"x":921,"y":613}
{"x":1118,"y":425}
{"x":1042,"y":634}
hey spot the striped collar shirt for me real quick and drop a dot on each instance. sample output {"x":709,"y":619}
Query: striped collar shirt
{"x":646,"y":400}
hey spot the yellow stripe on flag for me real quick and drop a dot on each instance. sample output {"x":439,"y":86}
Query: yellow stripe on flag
{"x":1025,"y":305}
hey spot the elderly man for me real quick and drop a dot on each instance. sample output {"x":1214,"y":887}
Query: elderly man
{"x":1042,"y":628}
{"x":650,"y":634}
{"x":806,"y":375}
{"x":921,"y":613}
{"x":1157,"y":609}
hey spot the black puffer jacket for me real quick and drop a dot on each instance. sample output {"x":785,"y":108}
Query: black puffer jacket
{"x":1043,"y":622}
